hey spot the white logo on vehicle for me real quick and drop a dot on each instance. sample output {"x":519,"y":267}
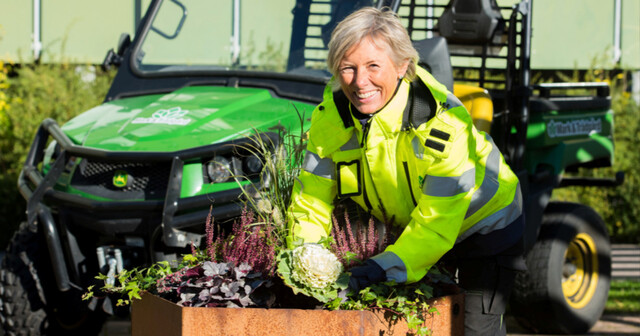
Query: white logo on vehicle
{"x":172,"y":116}
{"x":573,"y":127}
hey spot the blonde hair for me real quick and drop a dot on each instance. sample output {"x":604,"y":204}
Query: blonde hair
{"x":382,"y":25}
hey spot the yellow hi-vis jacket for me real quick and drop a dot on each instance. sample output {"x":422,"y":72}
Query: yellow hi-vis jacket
{"x":441,"y":180}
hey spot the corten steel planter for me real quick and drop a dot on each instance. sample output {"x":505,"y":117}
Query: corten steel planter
{"x":155,"y":316}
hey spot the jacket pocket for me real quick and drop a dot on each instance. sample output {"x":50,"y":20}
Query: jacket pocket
{"x":348,"y":172}
{"x":407,"y":174}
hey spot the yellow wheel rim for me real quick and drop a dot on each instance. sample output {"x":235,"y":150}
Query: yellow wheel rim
{"x":580,"y":271}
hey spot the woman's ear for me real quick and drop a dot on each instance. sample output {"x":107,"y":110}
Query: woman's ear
{"x":402,"y":70}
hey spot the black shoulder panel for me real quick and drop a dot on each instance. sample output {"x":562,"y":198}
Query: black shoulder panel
{"x":342,"y":104}
{"x":421,"y":105}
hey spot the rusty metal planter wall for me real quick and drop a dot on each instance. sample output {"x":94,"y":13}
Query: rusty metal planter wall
{"x":155,"y":316}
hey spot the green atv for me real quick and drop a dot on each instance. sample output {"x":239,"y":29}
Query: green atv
{"x":132,"y":181}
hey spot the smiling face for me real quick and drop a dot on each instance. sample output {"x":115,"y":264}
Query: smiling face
{"x":368,"y":76}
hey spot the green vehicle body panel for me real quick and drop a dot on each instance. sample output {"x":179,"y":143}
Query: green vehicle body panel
{"x":186,"y":118}
{"x":563,"y":139}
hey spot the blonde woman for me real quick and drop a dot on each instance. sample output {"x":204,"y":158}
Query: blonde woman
{"x":393,"y":139}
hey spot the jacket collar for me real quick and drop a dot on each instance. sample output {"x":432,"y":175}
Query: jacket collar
{"x":389,"y":118}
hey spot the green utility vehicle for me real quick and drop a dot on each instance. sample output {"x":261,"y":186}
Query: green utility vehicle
{"x":131,"y":181}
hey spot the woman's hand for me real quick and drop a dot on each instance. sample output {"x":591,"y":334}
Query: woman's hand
{"x":366,"y":275}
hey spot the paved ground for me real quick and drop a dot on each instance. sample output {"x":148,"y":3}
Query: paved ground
{"x":609,"y":325}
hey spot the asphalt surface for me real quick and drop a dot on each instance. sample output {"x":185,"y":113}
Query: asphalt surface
{"x":626,"y":265}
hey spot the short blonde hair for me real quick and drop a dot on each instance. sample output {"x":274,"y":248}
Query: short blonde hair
{"x":379,"y":24}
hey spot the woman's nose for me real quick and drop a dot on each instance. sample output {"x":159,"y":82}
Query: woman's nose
{"x":362,"y":78}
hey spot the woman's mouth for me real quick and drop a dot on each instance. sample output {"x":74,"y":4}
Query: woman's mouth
{"x":365,"y":95}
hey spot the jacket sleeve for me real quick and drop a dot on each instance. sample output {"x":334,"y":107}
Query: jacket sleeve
{"x":446,"y":194}
{"x":309,"y":215}
{"x":312,"y":200}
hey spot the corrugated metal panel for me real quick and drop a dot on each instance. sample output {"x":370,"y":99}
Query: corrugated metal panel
{"x":83,"y":31}
{"x":567,"y":34}
{"x":15,"y":30}
{"x":630,"y":34}
{"x":571,"y":34}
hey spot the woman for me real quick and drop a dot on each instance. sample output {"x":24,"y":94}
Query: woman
{"x":393,"y":139}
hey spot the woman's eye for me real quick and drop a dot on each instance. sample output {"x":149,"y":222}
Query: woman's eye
{"x":346,"y":70}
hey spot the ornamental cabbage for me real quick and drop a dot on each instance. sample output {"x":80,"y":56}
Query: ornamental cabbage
{"x":315,"y":266}
{"x":312,"y":270}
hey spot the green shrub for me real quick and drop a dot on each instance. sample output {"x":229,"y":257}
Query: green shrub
{"x":624,"y":297}
{"x":28,"y":95}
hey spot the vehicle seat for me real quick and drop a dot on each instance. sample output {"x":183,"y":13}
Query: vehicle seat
{"x":479,"y":104}
{"x":471,"y":21}
{"x":435,"y":58}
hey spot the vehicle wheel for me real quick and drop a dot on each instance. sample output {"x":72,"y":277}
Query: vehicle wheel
{"x":569,"y":269}
{"x":29,"y":308}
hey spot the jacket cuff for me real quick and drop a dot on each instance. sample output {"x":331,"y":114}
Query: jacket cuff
{"x":392,"y":265}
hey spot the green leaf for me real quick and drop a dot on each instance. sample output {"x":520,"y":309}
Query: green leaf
{"x":88,"y":294}
{"x":413,"y":321}
{"x":370,"y":296}
{"x":423,"y":331}
{"x":122,"y":302}
{"x":189,"y":258}
{"x":343,"y":281}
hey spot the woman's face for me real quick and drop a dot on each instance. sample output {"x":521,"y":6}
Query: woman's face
{"x":368,"y":76}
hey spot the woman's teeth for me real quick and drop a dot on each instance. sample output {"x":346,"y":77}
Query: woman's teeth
{"x":366,"y":94}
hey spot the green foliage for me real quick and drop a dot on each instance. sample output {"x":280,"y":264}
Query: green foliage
{"x":619,"y":206}
{"x":282,"y":162}
{"x":407,"y":302}
{"x":28,"y":95}
{"x":624,"y":298}
{"x":130,"y":283}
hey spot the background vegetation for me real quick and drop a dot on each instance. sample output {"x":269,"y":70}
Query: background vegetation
{"x":29,"y":94}
{"x":624,"y":298}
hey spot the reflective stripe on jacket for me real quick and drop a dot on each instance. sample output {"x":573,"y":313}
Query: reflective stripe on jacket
{"x":441,"y":180}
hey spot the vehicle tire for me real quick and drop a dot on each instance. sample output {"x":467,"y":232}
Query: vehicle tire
{"x":566,"y":286}
{"x":30,"y":303}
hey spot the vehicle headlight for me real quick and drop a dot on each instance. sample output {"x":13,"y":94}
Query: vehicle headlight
{"x":252,"y":164}
{"x":219,"y":169}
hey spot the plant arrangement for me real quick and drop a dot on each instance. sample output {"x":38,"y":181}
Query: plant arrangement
{"x":251,"y":266}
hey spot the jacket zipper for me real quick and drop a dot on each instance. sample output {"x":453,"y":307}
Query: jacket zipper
{"x":406,"y":173}
{"x":365,"y":133}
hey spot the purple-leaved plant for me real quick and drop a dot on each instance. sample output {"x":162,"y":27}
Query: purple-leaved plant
{"x":214,"y":284}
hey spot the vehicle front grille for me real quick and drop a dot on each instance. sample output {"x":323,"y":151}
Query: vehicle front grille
{"x":145,"y":179}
